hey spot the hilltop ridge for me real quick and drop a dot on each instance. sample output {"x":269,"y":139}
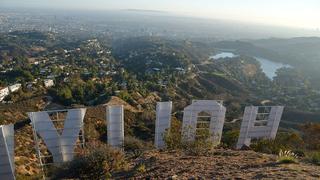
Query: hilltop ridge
{"x":222,"y":164}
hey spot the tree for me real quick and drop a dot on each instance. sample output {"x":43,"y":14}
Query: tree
{"x":65,"y":95}
{"x":78,"y":94}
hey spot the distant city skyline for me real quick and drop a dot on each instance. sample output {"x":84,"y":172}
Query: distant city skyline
{"x":293,"y":13}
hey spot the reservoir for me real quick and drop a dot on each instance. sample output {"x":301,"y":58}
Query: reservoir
{"x":268,"y":67}
{"x":223,"y":55}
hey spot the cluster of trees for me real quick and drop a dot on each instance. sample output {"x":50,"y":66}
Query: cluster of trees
{"x":17,"y":75}
{"x":141,"y":54}
{"x":79,"y":92}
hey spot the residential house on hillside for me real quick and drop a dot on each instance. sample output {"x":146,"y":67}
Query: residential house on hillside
{"x":48,"y":83}
{"x":180,"y":70}
{"x":4,"y":91}
{"x":15,"y":87}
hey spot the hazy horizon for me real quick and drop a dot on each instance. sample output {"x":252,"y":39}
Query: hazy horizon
{"x":294,"y":13}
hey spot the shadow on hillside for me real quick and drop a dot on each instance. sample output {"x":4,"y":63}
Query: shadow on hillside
{"x":21,"y":124}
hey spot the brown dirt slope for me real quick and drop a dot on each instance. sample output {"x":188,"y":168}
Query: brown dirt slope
{"x":222,"y":164}
{"x":118,"y":101}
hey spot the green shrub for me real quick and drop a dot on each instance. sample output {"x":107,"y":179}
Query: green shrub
{"x":291,"y":140}
{"x":200,"y":146}
{"x":135,"y":146}
{"x":140,"y":168}
{"x":172,"y":141}
{"x":283,"y":140}
{"x":230,"y":138}
{"x":98,"y":163}
{"x":197,"y":147}
{"x":268,"y":146}
{"x":314,"y":158}
{"x":287,"y":157}
{"x":172,"y":137}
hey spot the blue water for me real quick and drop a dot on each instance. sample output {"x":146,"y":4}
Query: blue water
{"x":223,"y":55}
{"x":268,"y":67}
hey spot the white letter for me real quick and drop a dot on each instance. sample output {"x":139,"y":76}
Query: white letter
{"x":163,"y":122}
{"x":60,"y":146}
{"x":257,"y":124}
{"x":213,"y":110}
{"x":115,"y":126}
{"x":7,"y":152}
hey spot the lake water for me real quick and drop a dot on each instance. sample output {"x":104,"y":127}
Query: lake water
{"x":268,"y":67}
{"x":223,"y":55}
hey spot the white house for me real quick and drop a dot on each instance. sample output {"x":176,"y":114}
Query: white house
{"x":15,"y":87}
{"x":3,"y":93}
{"x":48,"y":83}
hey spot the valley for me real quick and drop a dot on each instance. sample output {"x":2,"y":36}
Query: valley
{"x":53,"y":71}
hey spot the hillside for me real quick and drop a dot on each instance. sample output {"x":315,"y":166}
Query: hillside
{"x":137,"y":73}
{"x":222,"y":164}
{"x":301,"y":52}
{"x":297,"y":50}
{"x":176,"y":164}
{"x":88,"y":72}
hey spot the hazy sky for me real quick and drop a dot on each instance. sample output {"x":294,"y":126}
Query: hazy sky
{"x":297,"y":13}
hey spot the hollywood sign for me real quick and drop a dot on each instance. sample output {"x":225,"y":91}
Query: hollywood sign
{"x":7,"y":152}
{"x":61,"y":141}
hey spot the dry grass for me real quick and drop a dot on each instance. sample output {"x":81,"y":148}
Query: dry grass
{"x":222,"y":164}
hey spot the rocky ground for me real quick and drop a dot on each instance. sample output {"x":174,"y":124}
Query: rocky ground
{"x":222,"y":164}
